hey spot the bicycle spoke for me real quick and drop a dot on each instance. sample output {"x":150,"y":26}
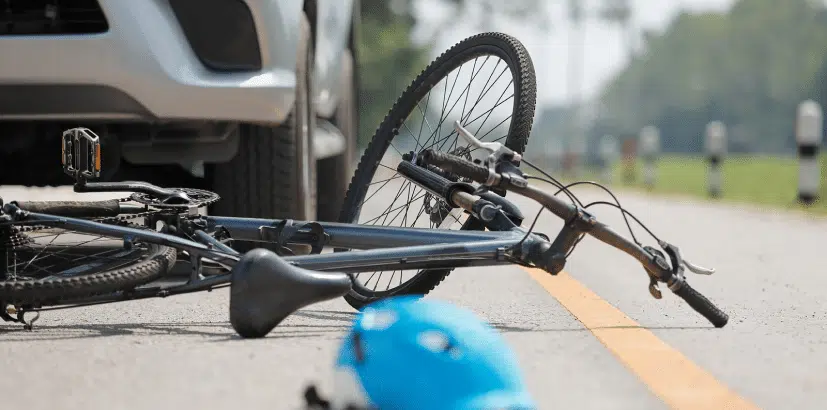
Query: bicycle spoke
{"x":54,"y":252}
{"x":444,"y":117}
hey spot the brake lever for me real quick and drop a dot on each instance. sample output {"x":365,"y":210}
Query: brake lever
{"x":678,"y":260}
{"x":700,"y":270}
{"x":676,"y":267}
{"x":496,"y":150}
{"x":497,"y":153}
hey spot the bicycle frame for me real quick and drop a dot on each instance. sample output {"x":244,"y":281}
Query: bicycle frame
{"x":387,"y":248}
{"x":377,"y":248}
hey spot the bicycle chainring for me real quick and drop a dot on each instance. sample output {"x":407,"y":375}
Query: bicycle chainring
{"x":197,"y":198}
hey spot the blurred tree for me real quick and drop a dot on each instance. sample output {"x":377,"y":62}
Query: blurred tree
{"x":388,"y":61}
{"x":749,"y":68}
{"x":484,"y":14}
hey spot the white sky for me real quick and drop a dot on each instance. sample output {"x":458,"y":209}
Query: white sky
{"x":603,"y":52}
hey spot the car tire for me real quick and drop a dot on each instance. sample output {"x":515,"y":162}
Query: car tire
{"x":273,"y":175}
{"x":334,"y":173}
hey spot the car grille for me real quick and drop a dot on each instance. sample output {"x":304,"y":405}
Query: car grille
{"x":221,"y":33}
{"x":43,"y":17}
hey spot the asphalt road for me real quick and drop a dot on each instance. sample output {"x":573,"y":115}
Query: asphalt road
{"x":181,"y":352}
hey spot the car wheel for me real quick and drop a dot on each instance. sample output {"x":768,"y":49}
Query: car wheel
{"x":273,"y":175}
{"x":334,"y":173}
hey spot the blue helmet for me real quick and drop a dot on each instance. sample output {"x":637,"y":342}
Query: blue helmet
{"x":408,"y":353}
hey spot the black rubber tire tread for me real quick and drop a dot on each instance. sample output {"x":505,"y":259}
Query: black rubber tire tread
{"x":702,"y":305}
{"x":262,"y":180}
{"x":504,"y":46}
{"x":54,"y":291}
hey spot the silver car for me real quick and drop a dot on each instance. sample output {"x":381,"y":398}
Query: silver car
{"x":257,"y":98}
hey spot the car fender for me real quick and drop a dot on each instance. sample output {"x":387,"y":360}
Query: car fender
{"x":278,"y":23}
{"x":333,"y":25}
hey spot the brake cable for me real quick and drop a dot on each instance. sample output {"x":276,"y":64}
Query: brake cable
{"x":624,"y":211}
{"x":565,"y":188}
{"x":617,"y":204}
{"x":553,"y":181}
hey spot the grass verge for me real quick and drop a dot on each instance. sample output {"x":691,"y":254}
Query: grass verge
{"x":759,"y":180}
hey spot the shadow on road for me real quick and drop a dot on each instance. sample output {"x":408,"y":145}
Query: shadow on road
{"x":331,"y":315}
{"x":215,"y":331}
{"x":338,"y":324}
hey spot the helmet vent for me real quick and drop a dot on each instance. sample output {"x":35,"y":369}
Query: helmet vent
{"x":438,"y":342}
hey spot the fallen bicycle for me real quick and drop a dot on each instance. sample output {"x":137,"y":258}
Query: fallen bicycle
{"x":63,"y":254}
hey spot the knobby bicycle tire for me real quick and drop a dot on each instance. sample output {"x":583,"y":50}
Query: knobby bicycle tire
{"x":157,"y":260}
{"x":507,"y":48}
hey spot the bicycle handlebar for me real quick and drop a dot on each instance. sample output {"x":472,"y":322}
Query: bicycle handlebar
{"x":702,"y":305}
{"x":581,"y":222}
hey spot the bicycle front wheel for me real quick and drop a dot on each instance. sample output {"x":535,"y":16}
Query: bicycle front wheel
{"x":487,"y":83}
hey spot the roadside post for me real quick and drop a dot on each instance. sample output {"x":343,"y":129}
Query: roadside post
{"x":629,"y":160}
{"x":578,"y":148}
{"x":556,"y":153}
{"x":649,"y":149}
{"x":568,"y":162}
{"x":716,"y":147}
{"x":808,"y":135}
{"x":608,"y":154}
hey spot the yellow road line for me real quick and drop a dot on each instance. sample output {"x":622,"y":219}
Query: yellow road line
{"x":668,"y":373}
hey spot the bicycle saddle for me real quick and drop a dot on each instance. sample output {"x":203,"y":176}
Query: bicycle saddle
{"x":265,"y":290}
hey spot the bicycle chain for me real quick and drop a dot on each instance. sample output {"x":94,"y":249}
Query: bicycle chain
{"x":17,"y":235}
{"x":123,"y":220}
{"x":120,"y":219}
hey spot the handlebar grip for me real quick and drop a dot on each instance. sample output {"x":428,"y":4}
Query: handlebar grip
{"x":456,"y":165}
{"x":76,"y":209}
{"x":702,"y":305}
{"x":429,"y":180}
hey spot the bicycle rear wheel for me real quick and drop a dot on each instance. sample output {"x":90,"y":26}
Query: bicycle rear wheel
{"x":411,"y":127}
{"x":49,"y":265}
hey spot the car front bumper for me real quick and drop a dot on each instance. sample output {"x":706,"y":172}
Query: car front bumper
{"x":144,"y":68}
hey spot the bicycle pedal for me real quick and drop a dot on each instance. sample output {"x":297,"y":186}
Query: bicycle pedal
{"x":81,"y":154}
